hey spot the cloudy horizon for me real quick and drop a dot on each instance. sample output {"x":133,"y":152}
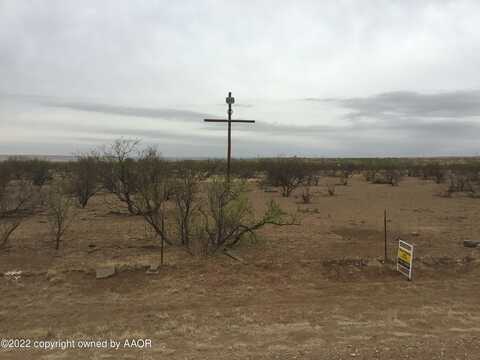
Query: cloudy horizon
{"x":323,"y":79}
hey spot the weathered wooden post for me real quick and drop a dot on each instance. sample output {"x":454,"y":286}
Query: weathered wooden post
{"x":385,"y":233}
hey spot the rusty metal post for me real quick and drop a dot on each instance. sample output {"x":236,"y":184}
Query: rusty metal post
{"x":385,"y":233}
{"x":163,"y":240}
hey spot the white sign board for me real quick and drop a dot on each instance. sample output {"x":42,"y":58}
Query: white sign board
{"x":405,"y":259}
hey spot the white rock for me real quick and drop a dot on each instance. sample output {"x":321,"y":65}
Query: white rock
{"x":104,"y":272}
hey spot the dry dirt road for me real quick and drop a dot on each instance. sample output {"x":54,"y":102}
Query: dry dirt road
{"x":251,"y":311}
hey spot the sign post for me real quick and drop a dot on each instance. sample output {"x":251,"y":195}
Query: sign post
{"x":385,"y":234}
{"x":405,"y":259}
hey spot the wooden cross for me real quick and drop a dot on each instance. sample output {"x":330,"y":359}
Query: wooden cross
{"x":230,"y":100}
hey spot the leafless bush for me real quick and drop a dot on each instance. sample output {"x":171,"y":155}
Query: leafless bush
{"x":39,"y":171}
{"x":331,"y":189}
{"x":148,"y":185}
{"x":185,"y":193}
{"x":394,"y":177}
{"x":16,"y":203}
{"x":85,"y":175}
{"x":434,"y":171}
{"x":149,"y":196}
{"x":35,"y":171}
{"x":60,"y":210}
{"x":307,"y":195}
{"x":343,"y":178}
{"x":312,"y":180}
{"x":391,"y":177}
{"x":369,"y":175}
{"x":199,"y":242}
{"x":118,"y":170}
{"x":459,"y":183}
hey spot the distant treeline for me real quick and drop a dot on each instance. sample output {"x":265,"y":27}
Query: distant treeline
{"x":38,"y":169}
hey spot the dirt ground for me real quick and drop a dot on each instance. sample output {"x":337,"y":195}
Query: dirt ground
{"x":318,"y":290}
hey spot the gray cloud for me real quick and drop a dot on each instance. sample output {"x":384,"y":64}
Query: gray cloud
{"x":96,"y":107}
{"x":435,"y":122}
{"x":455,"y":104}
{"x":173,"y":114}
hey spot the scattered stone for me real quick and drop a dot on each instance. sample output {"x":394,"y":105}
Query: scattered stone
{"x":174,"y":291}
{"x":154,"y":268}
{"x":104,"y":272}
{"x":51,"y":273}
{"x":471,"y":243}
{"x":202,"y":347}
{"x":54,"y":276}
{"x":131,"y":267}
{"x":14,"y":275}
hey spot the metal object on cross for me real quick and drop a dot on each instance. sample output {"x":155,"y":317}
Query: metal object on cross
{"x":229,"y":100}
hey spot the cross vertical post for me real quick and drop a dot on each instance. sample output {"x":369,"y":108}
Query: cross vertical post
{"x":229,"y":100}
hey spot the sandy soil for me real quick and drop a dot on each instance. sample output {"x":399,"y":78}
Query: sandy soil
{"x":313,"y":291}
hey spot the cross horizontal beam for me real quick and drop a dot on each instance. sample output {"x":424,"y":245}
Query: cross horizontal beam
{"x":230,"y":100}
{"x":233,"y":121}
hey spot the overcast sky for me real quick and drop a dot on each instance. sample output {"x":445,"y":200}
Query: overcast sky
{"x":322,"y":78}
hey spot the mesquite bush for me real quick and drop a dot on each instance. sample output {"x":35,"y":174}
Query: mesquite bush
{"x":17,"y":202}
{"x":118,"y":170}
{"x":60,"y":209}
{"x":229,"y":216}
{"x":287,"y":173}
{"x":85,"y":176}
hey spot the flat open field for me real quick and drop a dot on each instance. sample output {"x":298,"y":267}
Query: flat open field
{"x":313,"y":291}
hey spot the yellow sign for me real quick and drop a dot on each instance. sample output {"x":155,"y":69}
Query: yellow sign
{"x":405,"y":256}
{"x":405,"y":259}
